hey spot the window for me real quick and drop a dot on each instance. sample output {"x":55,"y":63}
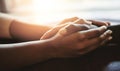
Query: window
{"x":48,"y":10}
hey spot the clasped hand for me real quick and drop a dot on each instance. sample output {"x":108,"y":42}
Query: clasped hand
{"x":75,"y":38}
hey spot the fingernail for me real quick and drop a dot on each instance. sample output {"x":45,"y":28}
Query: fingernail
{"x":110,"y":38}
{"x":110,"y":32}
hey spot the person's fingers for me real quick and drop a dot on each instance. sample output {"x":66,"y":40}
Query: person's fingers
{"x":72,"y":28}
{"x":52,"y":32}
{"x":92,"y":44}
{"x":98,"y":40}
{"x":93,"y":32}
{"x":84,"y":51}
{"x":91,"y":48}
{"x":87,"y":34}
{"x":106,"y":40}
{"x":99,"y":23}
{"x":69,"y":20}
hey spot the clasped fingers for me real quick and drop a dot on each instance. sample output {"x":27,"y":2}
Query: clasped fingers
{"x":91,"y":44}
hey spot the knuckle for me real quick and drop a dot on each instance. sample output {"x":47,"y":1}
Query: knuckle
{"x":62,"y":31}
{"x":70,"y":26}
{"x":73,"y":28}
{"x":105,"y":23}
{"x":86,"y":26}
{"x":82,"y":20}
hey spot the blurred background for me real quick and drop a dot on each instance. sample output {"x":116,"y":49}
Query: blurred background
{"x":41,"y":11}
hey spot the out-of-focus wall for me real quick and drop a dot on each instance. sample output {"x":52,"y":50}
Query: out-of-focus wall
{"x":3,"y":6}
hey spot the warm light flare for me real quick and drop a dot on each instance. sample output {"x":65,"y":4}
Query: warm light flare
{"x":41,"y":11}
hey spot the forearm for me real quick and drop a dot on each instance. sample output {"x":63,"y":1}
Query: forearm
{"x":11,"y":27}
{"x":26,"y":31}
{"x":13,"y":56}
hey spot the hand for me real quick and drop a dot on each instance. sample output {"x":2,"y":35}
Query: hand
{"x":77,"y":21}
{"x":76,"y":42}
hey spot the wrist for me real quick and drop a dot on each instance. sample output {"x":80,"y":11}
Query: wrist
{"x":50,"y":49}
